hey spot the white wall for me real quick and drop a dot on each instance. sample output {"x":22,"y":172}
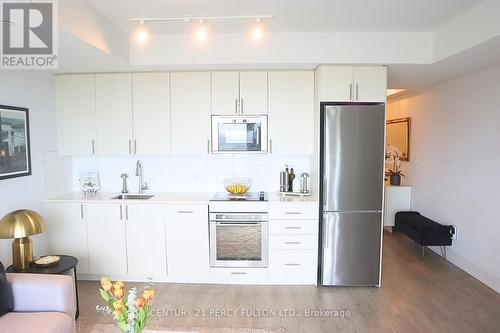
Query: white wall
{"x":454,"y":165}
{"x":191,"y":173}
{"x":34,"y":90}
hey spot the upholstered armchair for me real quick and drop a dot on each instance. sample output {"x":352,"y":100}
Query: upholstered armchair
{"x":42,"y":303}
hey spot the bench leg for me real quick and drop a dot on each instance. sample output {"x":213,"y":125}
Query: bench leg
{"x":423,"y":252}
{"x":443,"y":252}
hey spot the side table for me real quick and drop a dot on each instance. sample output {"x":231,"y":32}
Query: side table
{"x":65,"y":264}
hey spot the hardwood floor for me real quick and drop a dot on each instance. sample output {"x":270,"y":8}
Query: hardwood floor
{"x":430,"y":295}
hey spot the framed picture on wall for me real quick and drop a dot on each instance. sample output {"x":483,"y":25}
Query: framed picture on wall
{"x":398,"y":134}
{"x":15,"y":159}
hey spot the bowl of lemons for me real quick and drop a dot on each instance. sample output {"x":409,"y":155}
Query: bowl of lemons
{"x":237,"y":186}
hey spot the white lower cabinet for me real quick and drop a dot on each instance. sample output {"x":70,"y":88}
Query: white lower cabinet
{"x":239,"y":275}
{"x":146,"y":242}
{"x":106,"y":239}
{"x":293,"y":243}
{"x":67,"y":232}
{"x":293,"y":266}
{"x":187,"y":241}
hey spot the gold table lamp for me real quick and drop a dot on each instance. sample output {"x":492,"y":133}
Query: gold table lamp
{"x":19,"y":225}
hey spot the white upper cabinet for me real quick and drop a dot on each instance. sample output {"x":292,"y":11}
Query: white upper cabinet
{"x":190,"y":113}
{"x":225,"y":93}
{"x":114,"y":114}
{"x":370,"y":84}
{"x":253,"y":92}
{"x":335,"y":83}
{"x":239,"y":93}
{"x":76,"y":123}
{"x":151,"y":113}
{"x":352,"y":84}
{"x":291,"y":112}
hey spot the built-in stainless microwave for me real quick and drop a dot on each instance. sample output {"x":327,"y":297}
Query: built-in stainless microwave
{"x":239,"y":134}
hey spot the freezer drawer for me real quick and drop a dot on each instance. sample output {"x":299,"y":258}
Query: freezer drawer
{"x":351,"y":248}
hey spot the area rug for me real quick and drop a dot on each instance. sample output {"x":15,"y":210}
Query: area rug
{"x":110,"y":328}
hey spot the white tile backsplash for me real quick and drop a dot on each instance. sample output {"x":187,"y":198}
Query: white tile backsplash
{"x":191,"y":173}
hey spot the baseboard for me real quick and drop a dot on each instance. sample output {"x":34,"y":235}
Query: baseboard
{"x":485,"y":277}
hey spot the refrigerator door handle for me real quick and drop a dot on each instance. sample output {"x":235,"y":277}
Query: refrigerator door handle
{"x":326,"y":232}
{"x":326,"y":194}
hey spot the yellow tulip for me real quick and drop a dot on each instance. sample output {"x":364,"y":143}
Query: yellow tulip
{"x":118,"y":293}
{"x":118,"y":306}
{"x":140,"y":302}
{"x":148,"y":294}
{"x":106,"y":284}
{"x":119,"y":285}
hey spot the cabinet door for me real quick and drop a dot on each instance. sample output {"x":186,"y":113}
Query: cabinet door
{"x":75,"y":105}
{"x":190,"y":96}
{"x":370,"y":84}
{"x":151,"y":110}
{"x":67,"y":232}
{"x":253,"y":92}
{"x":335,"y":83}
{"x":187,"y":241}
{"x":114,"y":114}
{"x":291,"y":115}
{"x":146,"y":230}
{"x":106,"y":238}
{"x":225,"y":93}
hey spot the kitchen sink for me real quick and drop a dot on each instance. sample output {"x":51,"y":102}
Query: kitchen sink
{"x":133,"y":197}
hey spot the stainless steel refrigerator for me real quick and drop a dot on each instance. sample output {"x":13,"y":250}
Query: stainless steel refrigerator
{"x":352,"y":170}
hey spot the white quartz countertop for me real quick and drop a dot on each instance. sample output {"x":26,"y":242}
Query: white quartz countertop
{"x":169,"y":197}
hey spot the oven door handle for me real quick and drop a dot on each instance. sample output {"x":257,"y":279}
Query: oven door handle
{"x":232,"y":224}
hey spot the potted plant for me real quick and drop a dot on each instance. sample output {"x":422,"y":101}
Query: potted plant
{"x":131,"y":312}
{"x":392,"y":159}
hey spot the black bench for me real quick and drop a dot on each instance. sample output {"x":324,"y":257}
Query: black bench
{"x":424,"y":231}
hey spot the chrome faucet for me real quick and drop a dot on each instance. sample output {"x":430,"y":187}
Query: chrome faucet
{"x":143,"y":186}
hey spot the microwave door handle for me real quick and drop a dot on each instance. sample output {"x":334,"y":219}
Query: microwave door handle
{"x":257,"y":133}
{"x":230,"y":224}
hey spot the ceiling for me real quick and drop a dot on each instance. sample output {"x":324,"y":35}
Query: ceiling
{"x":293,"y":15}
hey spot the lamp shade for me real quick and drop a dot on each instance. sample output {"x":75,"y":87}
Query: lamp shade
{"x":21,"y":223}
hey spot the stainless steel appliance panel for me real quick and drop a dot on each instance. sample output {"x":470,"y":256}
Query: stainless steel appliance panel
{"x":351,"y":248}
{"x":353,"y":152}
{"x":239,"y":134}
{"x":238,"y":239}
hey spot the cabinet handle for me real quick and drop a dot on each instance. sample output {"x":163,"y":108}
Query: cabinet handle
{"x":185,"y":212}
{"x":126,"y":212}
{"x":121,"y":213}
{"x":357,"y":92}
{"x":130,"y":147}
{"x":292,"y":264}
{"x":93,"y":147}
{"x":350,"y":91}
{"x":293,"y":228}
{"x":238,"y":273}
{"x":241,"y":108}
{"x":208,"y":146}
{"x":236,"y":105}
{"x":293,"y":213}
{"x":293,"y":243}
{"x":81,"y":211}
{"x":270,"y":146}
{"x":135,"y":146}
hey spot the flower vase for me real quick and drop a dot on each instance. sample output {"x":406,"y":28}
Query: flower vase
{"x":395,"y":179}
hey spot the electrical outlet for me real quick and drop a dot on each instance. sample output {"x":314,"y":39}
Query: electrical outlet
{"x":454,"y":235}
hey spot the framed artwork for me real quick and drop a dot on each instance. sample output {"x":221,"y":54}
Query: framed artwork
{"x":15,"y":159}
{"x":398,"y":134}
